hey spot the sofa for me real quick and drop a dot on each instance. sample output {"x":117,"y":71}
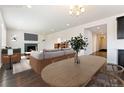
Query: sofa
{"x":38,"y":60}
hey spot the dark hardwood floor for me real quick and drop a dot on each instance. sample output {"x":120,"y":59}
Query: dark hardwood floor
{"x":104,"y":54}
{"x":24,"y":79}
{"x":100,"y":53}
{"x":28,"y":78}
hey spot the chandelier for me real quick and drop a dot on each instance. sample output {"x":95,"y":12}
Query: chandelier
{"x":76,"y":10}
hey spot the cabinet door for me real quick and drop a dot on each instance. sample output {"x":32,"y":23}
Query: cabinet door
{"x":121,"y":57}
{"x":5,"y":59}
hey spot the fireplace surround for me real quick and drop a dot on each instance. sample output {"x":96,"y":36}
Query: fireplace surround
{"x":30,"y":46}
{"x":121,"y":57}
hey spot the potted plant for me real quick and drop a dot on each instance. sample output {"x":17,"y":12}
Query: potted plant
{"x":77,"y":43}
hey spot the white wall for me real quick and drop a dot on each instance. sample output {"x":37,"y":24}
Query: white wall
{"x":2,"y":35}
{"x":64,"y":35}
{"x":112,"y":43}
{"x":89,"y":48}
{"x":0,"y":45}
{"x":3,"y":30}
{"x":19,"y":43}
{"x":95,"y":42}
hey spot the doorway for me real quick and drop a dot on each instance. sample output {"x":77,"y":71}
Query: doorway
{"x":97,"y":40}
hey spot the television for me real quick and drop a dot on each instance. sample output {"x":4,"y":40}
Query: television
{"x":30,"y":37}
{"x":120,"y":27}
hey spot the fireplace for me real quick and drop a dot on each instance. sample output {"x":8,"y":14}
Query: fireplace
{"x":29,"y":47}
{"x":121,"y":57}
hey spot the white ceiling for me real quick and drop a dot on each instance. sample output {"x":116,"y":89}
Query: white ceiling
{"x":99,"y":29}
{"x":51,"y":18}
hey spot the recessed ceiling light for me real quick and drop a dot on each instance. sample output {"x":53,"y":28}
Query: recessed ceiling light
{"x":98,"y":27}
{"x":67,"y":24}
{"x":29,"y":6}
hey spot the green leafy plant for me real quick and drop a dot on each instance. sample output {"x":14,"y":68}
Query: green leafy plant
{"x":78,"y":43}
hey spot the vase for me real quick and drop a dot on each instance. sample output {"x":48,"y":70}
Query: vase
{"x":76,"y":58}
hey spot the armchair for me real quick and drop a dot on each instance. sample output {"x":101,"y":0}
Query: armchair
{"x":16,"y":57}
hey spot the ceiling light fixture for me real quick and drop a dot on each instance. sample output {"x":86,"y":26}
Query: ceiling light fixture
{"x":98,"y":27}
{"x":29,"y":6}
{"x":76,"y":9}
{"x":67,"y":24}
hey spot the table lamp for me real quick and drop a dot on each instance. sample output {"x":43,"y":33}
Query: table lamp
{"x":10,"y":51}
